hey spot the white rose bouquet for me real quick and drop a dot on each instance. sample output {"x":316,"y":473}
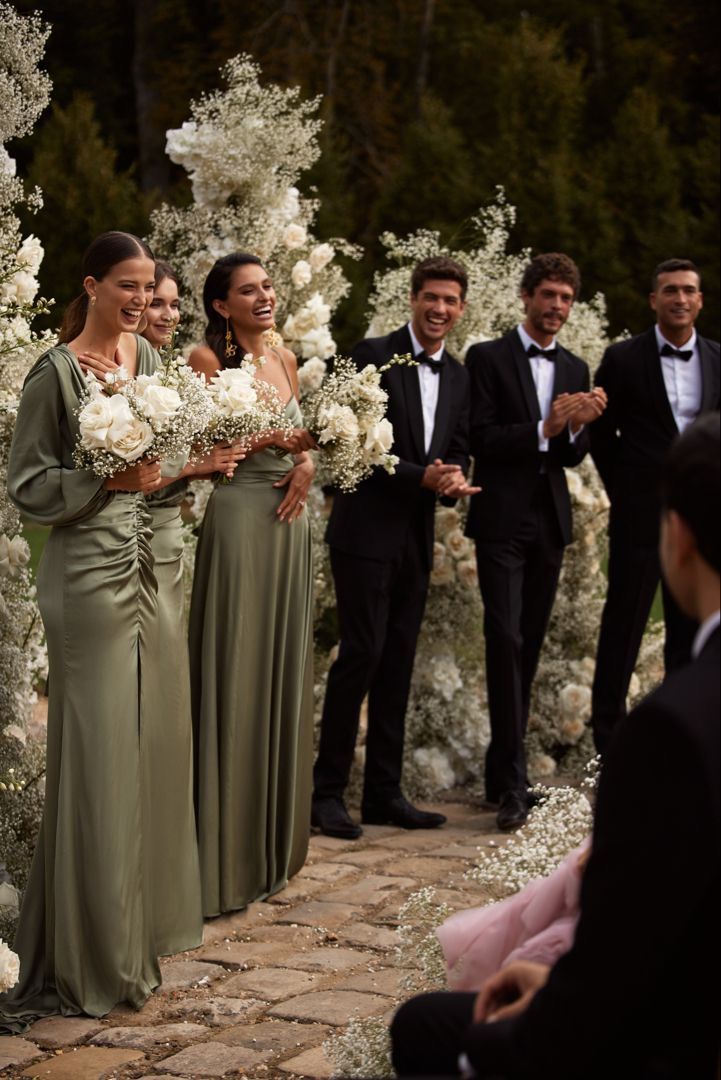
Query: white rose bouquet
{"x":345,"y":411}
{"x":244,"y":407}
{"x":163,"y":416}
{"x":9,"y":968}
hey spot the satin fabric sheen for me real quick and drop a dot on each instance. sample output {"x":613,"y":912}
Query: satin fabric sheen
{"x":252,"y":687}
{"x":114,"y":878}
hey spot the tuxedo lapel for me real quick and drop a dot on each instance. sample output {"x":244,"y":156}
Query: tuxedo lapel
{"x":709,"y":378}
{"x":443,"y":410}
{"x":408,"y":378}
{"x":523,"y":367}
{"x":657,"y":386}
{"x":561,"y":374}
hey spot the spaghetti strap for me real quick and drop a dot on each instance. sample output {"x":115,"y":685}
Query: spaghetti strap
{"x":285,"y":369}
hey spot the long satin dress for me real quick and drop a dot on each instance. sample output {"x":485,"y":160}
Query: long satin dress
{"x":95,"y":913}
{"x":252,"y":688}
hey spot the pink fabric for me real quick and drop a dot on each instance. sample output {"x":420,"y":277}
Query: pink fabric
{"x":538,"y":923}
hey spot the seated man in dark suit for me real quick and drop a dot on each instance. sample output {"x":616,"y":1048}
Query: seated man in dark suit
{"x":637,"y":995}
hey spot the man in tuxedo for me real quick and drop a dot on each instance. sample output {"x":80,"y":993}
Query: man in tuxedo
{"x":656,"y":383}
{"x":637,"y":995}
{"x":381,"y":553}
{"x":530,"y":404}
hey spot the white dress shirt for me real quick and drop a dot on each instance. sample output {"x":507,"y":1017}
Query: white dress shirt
{"x":705,"y":630}
{"x":429,"y":381}
{"x":683,"y":380}
{"x":544,"y":373}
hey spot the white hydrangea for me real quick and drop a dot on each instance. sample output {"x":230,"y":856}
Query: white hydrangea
{"x":301,"y":274}
{"x":14,"y":555}
{"x":9,"y":968}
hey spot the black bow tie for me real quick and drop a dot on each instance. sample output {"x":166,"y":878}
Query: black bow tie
{"x":434,"y":365}
{"x":679,"y":354}
{"x":547,"y":354}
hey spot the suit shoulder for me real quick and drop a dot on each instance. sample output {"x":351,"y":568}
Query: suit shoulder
{"x":688,"y":701}
{"x":711,"y":345}
{"x":484,"y":351}
{"x":577,"y":361}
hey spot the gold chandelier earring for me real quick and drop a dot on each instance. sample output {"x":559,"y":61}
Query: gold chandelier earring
{"x":273,"y":338}
{"x":230,"y":348}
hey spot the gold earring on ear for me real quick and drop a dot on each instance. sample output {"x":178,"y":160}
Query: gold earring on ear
{"x":230,"y":348}
{"x":93,"y":300}
{"x":272,"y":338}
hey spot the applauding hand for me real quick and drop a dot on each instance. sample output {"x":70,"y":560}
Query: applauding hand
{"x":509,"y":992}
{"x":591,"y":407}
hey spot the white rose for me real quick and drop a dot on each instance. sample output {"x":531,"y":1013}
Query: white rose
{"x":30,"y":255}
{"x":14,"y":555}
{"x":439,"y":556}
{"x":130,"y":440}
{"x":318,"y":343}
{"x":379,"y":441}
{"x":158,"y":403}
{"x":575,"y":701}
{"x":337,"y":422}
{"x":319,"y":309}
{"x":9,"y":968}
{"x":290,"y":207}
{"x":26,"y":287}
{"x":320,"y":256}
{"x":447,"y":520}
{"x":445,"y":575}
{"x":468,"y":573}
{"x":97,"y":417}
{"x":572,"y":730}
{"x":459,"y":545}
{"x":311,"y":374}
{"x":295,"y":236}
{"x":541,"y":766}
{"x":234,"y":392}
{"x":435,"y":767}
{"x":367,"y":387}
{"x":298,"y":325}
{"x":301,"y":274}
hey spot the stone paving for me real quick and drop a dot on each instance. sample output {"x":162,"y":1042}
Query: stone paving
{"x":261,"y":995}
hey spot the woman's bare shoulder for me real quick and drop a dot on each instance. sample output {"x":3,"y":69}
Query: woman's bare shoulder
{"x":203,"y":360}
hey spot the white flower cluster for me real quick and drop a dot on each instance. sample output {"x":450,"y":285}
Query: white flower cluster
{"x":363,"y":1049}
{"x":561,"y":820}
{"x":419,"y":951}
{"x":9,"y":968}
{"x":24,"y":88}
{"x":240,"y":205}
{"x":345,"y":412}
{"x":244,"y":407}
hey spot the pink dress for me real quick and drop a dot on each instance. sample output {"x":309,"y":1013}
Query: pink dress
{"x":538,"y":924}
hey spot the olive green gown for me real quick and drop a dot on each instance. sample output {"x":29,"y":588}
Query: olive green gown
{"x":252,"y":688}
{"x":114,"y":879}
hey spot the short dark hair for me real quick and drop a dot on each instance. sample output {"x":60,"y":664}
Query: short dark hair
{"x":673,"y":266}
{"x":691,"y":484}
{"x":439,"y":268}
{"x":552,"y":266}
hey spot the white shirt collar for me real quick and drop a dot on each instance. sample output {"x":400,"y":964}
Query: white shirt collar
{"x":527,"y":340}
{"x":704,"y":633}
{"x":418,"y":348}
{"x":661,"y":340}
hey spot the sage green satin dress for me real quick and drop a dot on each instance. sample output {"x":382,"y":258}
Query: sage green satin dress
{"x":114,"y":879}
{"x":252,"y":686}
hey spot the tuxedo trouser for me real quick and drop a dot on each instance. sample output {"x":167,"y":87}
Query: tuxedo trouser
{"x":633,"y":577}
{"x":518,"y":578}
{"x":380,"y":611}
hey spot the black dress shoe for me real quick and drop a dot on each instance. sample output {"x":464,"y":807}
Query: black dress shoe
{"x":399,"y":812}
{"x":513,"y":811}
{"x":331,"y":817}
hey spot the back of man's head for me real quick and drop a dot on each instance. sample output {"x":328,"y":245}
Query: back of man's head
{"x":692,"y":485}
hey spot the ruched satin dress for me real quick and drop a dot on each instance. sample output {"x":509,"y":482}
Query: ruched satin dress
{"x":252,"y":686}
{"x":114,"y":880}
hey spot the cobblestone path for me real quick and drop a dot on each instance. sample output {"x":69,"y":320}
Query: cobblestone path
{"x":269,"y":985}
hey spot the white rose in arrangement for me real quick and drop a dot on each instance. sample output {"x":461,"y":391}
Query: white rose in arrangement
{"x":234,"y":392}
{"x":435,"y":767}
{"x":318,"y":343}
{"x":30,"y":255}
{"x":319,"y":309}
{"x":368,"y":387}
{"x":158,"y":403}
{"x":379,"y":441}
{"x":301,"y":274}
{"x":439,"y":556}
{"x":131,"y":440}
{"x":634,"y":687}
{"x":444,"y":575}
{"x":468,"y":573}
{"x":337,"y":422}
{"x":541,"y":766}
{"x":444,"y":677}
{"x":295,"y":237}
{"x":25,"y":286}
{"x":290,"y":207}
{"x":572,"y":730}
{"x":311,"y":374}
{"x":98,"y":417}
{"x":9,"y":968}
{"x":447,"y":519}
{"x":459,"y":545}
{"x":320,"y":256}
{"x":14,"y":555}
{"x":575,"y":701}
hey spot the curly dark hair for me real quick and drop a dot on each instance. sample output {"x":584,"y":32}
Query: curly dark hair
{"x":553,"y":266}
{"x":439,"y":268}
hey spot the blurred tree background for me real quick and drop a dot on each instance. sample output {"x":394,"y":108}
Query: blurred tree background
{"x":600,"y":119}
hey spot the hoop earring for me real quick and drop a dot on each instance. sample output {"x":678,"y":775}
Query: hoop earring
{"x":272,"y":338}
{"x":230,"y":348}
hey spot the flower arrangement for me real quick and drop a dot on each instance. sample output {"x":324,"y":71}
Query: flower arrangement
{"x":243,"y":406}
{"x":363,"y":1049}
{"x":9,"y":968}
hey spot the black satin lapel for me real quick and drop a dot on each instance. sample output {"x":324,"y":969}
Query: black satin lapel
{"x":443,"y":411}
{"x":523,"y":367}
{"x":709,"y":378}
{"x":657,"y":386}
{"x":414,"y":408}
{"x":561,"y":374}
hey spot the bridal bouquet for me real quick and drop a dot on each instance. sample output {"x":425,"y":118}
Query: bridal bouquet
{"x":345,"y":411}
{"x":121,"y":420}
{"x":9,"y":968}
{"x":243,"y":406}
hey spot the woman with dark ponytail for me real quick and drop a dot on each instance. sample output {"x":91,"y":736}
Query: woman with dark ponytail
{"x":251,"y":622}
{"x":93,"y":920}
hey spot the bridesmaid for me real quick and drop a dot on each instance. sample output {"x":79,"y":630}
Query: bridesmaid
{"x":251,"y":624}
{"x":92,"y":922}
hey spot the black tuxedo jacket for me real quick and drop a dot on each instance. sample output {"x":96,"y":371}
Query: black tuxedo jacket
{"x":630,"y":441}
{"x":504,"y":437}
{"x":637,"y":996}
{"x":373,"y":521}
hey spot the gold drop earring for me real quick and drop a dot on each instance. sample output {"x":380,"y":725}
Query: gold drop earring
{"x":230,"y":348}
{"x":273,"y":338}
